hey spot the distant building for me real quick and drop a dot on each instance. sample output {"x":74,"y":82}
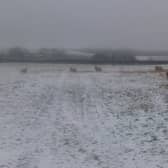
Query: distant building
{"x":151,"y":58}
{"x":79,"y":53}
{"x":78,"y":56}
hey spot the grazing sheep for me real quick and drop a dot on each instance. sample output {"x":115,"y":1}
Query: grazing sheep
{"x":98,"y":69}
{"x":158,"y":68}
{"x":167,"y":75}
{"x":73,"y":69}
{"x":24,"y":70}
{"x":164,"y":74}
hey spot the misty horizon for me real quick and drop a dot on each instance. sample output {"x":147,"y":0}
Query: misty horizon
{"x":84,"y":24}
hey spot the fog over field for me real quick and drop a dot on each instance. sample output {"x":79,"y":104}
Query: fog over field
{"x":139,"y":24}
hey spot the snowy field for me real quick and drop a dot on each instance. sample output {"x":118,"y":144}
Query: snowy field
{"x":52,"y":118}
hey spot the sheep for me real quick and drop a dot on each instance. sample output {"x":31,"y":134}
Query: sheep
{"x":24,"y":70}
{"x":98,"y":69}
{"x":158,"y":68}
{"x":73,"y":69}
{"x":167,"y":75}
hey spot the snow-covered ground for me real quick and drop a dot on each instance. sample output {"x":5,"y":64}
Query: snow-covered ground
{"x":51,"y":118}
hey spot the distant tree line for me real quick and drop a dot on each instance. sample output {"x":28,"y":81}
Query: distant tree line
{"x":115,"y":56}
{"x":24,"y":55}
{"x":120,"y":56}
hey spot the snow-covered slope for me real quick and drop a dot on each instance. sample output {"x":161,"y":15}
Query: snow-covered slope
{"x":51,"y":118}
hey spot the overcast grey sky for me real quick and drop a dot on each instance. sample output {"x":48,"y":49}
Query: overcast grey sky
{"x":84,"y":23}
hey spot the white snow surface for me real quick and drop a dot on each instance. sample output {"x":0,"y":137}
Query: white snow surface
{"x":52,"y":118}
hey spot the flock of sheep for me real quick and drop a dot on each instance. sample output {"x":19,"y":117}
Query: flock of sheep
{"x":158,"y":69}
